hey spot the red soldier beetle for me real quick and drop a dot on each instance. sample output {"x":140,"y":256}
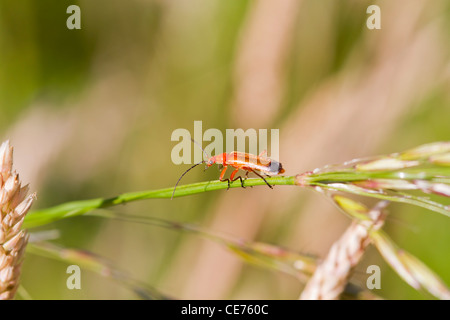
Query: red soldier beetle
{"x":240,"y":160}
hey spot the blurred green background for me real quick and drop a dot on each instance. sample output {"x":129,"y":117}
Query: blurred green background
{"x":90,"y":114}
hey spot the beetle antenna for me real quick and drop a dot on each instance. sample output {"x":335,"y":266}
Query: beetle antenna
{"x":198,"y":145}
{"x":183,"y":176}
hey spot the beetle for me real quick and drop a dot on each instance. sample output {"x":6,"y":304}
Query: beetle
{"x":247,"y":162}
{"x":240,"y":160}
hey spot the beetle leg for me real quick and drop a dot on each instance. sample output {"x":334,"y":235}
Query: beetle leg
{"x":238,"y":178}
{"x":246,"y":177}
{"x":271,"y":187}
{"x":233,"y":174}
{"x":242,"y":181}
{"x":232,"y":178}
{"x":222,"y":174}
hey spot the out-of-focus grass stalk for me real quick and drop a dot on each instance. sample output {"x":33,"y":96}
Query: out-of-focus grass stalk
{"x":263,"y":255}
{"x":260,"y":254}
{"x":96,"y":264}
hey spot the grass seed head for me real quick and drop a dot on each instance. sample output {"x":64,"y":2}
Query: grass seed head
{"x":14,"y":204}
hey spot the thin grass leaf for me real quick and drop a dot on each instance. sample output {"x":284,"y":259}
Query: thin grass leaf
{"x":427,"y":278}
{"x":276,"y":258}
{"x":389,"y":251}
{"x":409,"y":268}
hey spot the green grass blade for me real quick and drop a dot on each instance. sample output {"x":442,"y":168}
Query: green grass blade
{"x":70,"y":209}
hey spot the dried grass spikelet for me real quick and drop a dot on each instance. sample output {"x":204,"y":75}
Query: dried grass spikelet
{"x":14,"y":204}
{"x":331,"y":276}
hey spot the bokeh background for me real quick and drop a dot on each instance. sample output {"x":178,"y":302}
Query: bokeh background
{"x":90,"y":114}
